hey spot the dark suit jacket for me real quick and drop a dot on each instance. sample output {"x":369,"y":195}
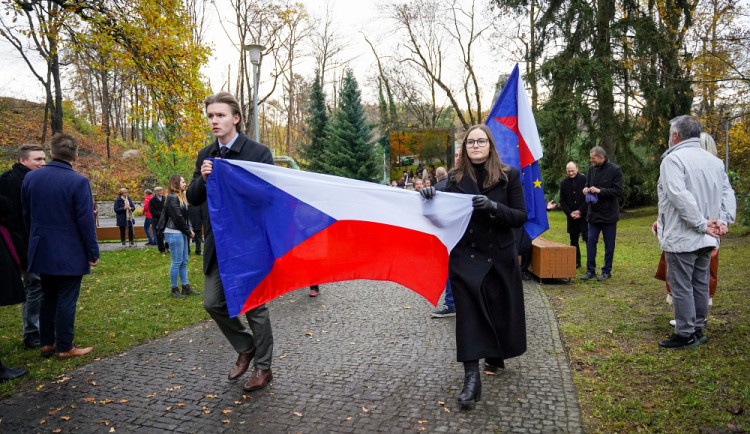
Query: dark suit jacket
{"x":573,"y":199}
{"x":242,"y":149}
{"x":59,"y":210}
{"x":608,"y":178}
{"x":156,"y":207}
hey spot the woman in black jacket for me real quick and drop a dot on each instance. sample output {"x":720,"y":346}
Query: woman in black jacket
{"x":484,"y":273}
{"x":177,"y":232}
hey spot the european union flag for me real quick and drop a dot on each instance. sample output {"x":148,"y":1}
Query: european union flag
{"x":514,"y":130}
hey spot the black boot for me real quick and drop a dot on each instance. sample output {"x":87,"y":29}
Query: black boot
{"x":7,"y":374}
{"x":187,"y":290}
{"x":176,"y":292}
{"x":472,"y":390}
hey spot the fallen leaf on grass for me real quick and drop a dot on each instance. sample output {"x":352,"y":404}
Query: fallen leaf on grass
{"x":490,"y":373}
{"x":42,"y":421}
{"x":447,"y":410}
{"x":349,"y":418}
{"x":112,"y":429}
{"x":421,"y":422}
{"x":93,"y":383}
{"x":169,"y":408}
{"x":52,"y":412}
{"x":226,"y":411}
{"x":298,"y":414}
{"x":225,"y":421}
{"x":151,"y":396}
{"x":123,"y":401}
{"x":212,"y":396}
{"x":407,"y":307}
{"x":366,"y":410}
{"x":179,"y":404}
{"x":90,"y":399}
{"x":56,"y":430}
{"x":105,"y":401}
{"x":104,"y":421}
{"x":39,"y":387}
{"x":308,"y":334}
{"x":238,"y":402}
{"x":73,"y":406}
{"x":441,"y":402}
{"x":65,"y":417}
{"x":283,"y":356}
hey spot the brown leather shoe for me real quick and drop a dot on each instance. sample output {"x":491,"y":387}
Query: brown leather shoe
{"x":241,"y":365}
{"x":47,"y":350}
{"x":258,"y":380}
{"x":74,"y":352}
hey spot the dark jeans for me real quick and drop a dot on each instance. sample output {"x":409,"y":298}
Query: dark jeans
{"x":33,"y":304}
{"x":58,"y":314}
{"x":160,"y":240}
{"x":198,"y":239}
{"x":148,"y":227}
{"x":449,"y":294}
{"x":608,"y":234}
{"x":574,"y":242}
{"x":131,"y":233}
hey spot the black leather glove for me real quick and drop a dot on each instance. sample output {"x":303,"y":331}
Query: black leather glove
{"x":484,"y":203}
{"x":427,"y":192}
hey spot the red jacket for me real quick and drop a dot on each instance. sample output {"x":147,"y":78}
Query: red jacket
{"x":146,"y":211}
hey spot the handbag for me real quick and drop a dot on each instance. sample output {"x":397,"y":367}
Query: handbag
{"x":162,"y":223}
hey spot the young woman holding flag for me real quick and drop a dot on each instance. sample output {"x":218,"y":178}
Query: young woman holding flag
{"x":483,"y":269}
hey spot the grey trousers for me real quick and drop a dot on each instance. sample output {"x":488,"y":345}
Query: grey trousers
{"x":687,"y":275}
{"x":259,"y":335}
{"x":33,"y":304}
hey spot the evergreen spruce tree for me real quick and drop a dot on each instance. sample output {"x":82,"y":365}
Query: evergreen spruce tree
{"x":317,"y":120}
{"x":348,"y":152}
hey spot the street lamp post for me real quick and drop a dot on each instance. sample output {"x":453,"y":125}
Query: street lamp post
{"x":255,"y":51}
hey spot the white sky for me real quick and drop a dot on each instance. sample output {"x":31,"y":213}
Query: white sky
{"x":351,"y":19}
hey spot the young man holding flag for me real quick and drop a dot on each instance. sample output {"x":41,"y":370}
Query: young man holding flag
{"x":225,"y":118}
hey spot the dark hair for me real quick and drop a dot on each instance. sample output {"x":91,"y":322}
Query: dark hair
{"x":686,"y":126}
{"x":229,"y":99}
{"x":493,"y":165}
{"x":64,"y":147}
{"x":25,"y":150}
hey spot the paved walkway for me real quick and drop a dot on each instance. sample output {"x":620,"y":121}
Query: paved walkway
{"x":364,"y":356}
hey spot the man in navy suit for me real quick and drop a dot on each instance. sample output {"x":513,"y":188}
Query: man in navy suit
{"x":59,"y":210}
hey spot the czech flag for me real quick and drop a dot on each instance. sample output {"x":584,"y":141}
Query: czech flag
{"x":278,"y":229}
{"x":514,"y":130}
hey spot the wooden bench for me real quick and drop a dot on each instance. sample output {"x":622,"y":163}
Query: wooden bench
{"x":552,"y":260}
{"x":112,"y":233}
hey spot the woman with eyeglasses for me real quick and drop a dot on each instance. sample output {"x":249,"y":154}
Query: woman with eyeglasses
{"x":483,"y":270}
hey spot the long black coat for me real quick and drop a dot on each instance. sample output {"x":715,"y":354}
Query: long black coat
{"x":120,"y":212}
{"x":485,"y":276}
{"x":573,"y":199}
{"x":242,"y":149}
{"x":10,"y":187}
{"x":11,"y":286}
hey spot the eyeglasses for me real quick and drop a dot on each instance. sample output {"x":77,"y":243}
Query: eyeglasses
{"x":481,"y":143}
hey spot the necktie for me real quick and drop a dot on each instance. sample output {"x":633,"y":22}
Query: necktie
{"x":223,"y":151}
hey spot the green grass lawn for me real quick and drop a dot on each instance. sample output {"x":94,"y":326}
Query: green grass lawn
{"x":611,"y":329}
{"x":125,"y":301}
{"x":625,"y":381}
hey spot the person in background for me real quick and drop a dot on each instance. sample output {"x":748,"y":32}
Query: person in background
{"x":197,"y":217}
{"x":573,"y":204}
{"x":484,"y":273}
{"x":603,"y":189}
{"x":696,"y":203}
{"x":178,"y":232}
{"x":148,"y":223}
{"x":448,"y":308}
{"x":418,"y":184}
{"x":30,"y":157}
{"x":124,"y":207}
{"x":156,"y":208}
{"x":60,"y":257}
{"x":11,"y":286}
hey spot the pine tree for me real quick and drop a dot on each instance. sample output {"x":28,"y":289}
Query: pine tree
{"x":348,"y":152}
{"x":316,"y":128}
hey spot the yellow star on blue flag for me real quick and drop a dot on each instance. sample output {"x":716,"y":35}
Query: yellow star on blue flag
{"x":537,"y":183}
